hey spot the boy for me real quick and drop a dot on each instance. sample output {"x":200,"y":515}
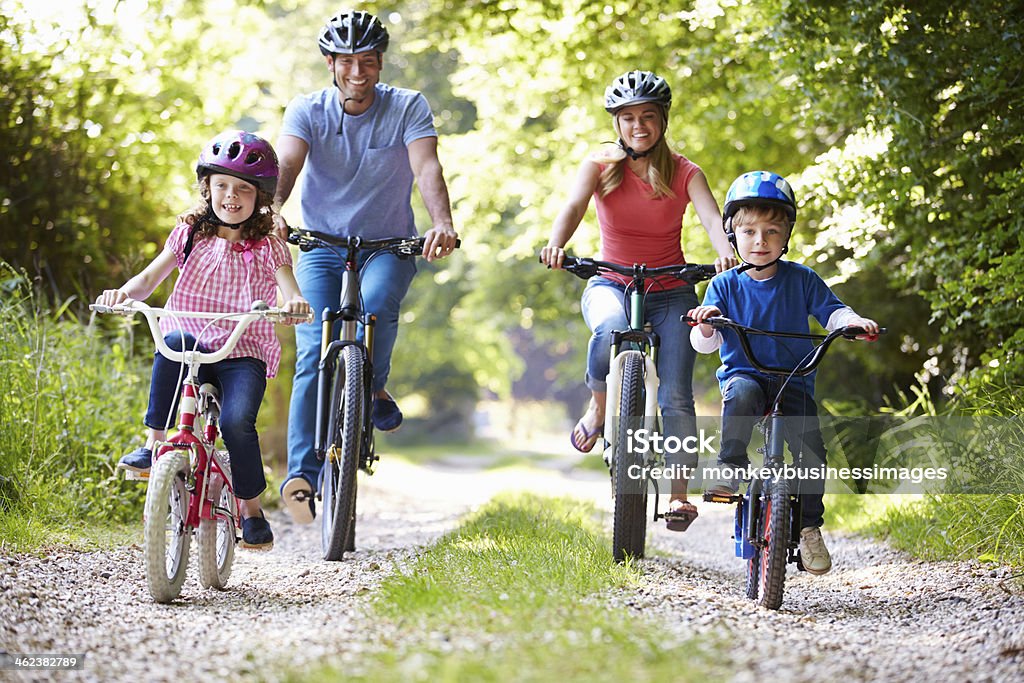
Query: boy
{"x":772,"y":294}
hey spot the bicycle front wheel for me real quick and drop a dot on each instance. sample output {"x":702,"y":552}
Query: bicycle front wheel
{"x":166,"y":537}
{"x":345,"y":437}
{"x":216,"y":538}
{"x":775,"y":520}
{"x":629,"y":523}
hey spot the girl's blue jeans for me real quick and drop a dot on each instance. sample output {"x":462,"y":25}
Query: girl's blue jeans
{"x":745,"y":400}
{"x":605,"y":311}
{"x":384,"y":283}
{"x":242,"y":383}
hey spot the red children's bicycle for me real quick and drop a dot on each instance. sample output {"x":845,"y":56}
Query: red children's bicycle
{"x":189,"y":489}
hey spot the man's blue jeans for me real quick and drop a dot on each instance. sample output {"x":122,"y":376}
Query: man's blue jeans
{"x":604,"y":310}
{"x":745,"y":400}
{"x":242,"y":383}
{"x":385,"y":283}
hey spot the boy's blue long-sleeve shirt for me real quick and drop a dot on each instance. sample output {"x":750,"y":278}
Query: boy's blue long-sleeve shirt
{"x":782,"y":303}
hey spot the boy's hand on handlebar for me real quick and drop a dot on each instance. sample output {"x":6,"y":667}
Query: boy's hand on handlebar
{"x":439,"y":242}
{"x":868,"y":325}
{"x":699,"y":315}
{"x":724,"y":263}
{"x":552,"y":257}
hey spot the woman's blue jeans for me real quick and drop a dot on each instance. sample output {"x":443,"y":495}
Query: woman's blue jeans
{"x":384,"y":284}
{"x":605,"y":311}
{"x":745,"y":400}
{"x":242,"y":383}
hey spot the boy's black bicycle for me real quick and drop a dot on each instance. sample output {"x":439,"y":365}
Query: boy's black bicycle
{"x":344,"y":432}
{"x":632,"y":399}
{"x":767,"y":527}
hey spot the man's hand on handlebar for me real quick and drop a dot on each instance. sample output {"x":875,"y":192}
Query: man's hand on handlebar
{"x":439,"y":242}
{"x":281,"y":228}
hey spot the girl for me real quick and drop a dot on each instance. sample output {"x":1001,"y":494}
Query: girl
{"x":227,"y":257}
{"x":641,"y":189}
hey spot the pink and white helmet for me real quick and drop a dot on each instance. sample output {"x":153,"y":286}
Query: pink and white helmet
{"x":242,"y":155}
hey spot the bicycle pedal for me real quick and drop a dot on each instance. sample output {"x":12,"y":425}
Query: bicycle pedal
{"x":711,"y":497}
{"x":130,"y":475}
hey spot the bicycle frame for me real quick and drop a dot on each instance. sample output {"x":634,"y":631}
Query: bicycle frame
{"x":633,"y":360}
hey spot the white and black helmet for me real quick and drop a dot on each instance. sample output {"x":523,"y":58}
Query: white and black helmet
{"x":637,"y":87}
{"x":352,"y":31}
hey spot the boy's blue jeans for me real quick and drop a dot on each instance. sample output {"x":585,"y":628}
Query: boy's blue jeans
{"x":604,"y":311}
{"x":384,"y":284}
{"x":242,"y":383}
{"x":745,"y":400}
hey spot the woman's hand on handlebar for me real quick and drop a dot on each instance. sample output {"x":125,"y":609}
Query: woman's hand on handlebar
{"x":552,"y":256}
{"x":439,"y":242}
{"x":724,"y":263}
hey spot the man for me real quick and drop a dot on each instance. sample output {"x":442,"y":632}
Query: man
{"x":363,"y":143}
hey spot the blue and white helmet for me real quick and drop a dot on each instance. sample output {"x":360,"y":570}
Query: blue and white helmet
{"x":760,"y":188}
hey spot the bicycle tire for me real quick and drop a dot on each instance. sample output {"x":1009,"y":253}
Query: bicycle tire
{"x":216,"y":539}
{"x":345,"y":433}
{"x":629,"y":522}
{"x":166,"y":538}
{"x":775,"y":515}
{"x":754,"y":563}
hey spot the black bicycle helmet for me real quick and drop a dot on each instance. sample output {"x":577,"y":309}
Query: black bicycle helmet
{"x":352,"y":31}
{"x":637,"y":87}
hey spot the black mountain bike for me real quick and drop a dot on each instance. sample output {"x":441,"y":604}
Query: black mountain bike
{"x":344,"y":433}
{"x":767,"y":529}
{"x":632,"y":399}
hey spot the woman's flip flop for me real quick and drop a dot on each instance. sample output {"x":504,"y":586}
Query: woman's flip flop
{"x":589,"y":438}
{"x":680,"y":515}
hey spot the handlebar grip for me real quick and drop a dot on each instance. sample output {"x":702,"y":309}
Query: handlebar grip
{"x":854,"y":332}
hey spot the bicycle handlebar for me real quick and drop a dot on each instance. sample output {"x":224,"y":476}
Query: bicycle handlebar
{"x":403,"y":247}
{"x":586,"y":268}
{"x":802,"y":370}
{"x":260,"y":311}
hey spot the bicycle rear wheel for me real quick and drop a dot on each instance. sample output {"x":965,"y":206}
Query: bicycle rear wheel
{"x":775,"y":516}
{"x":629,"y":523}
{"x":345,"y":437}
{"x":166,"y":538}
{"x":216,"y":538}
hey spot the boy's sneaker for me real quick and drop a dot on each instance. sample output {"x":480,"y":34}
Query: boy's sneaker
{"x":256,"y":533}
{"x":139,"y":461}
{"x":722,"y":486}
{"x":385,"y":414}
{"x":813,"y":553}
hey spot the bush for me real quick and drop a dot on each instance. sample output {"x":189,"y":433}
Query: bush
{"x":72,"y":401}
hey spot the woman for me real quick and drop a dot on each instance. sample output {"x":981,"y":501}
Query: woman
{"x":641,"y":189}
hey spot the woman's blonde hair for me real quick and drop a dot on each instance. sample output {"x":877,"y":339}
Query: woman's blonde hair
{"x":258,"y":225}
{"x":660,"y":171}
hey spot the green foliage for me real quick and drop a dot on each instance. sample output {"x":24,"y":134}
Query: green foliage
{"x":522,"y":582}
{"x":938,"y":84}
{"x":70,"y":406}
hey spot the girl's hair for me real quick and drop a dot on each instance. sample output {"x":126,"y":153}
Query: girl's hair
{"x":772,"y":214}
{"x":660,"y":171}
{"x":258,"y":225}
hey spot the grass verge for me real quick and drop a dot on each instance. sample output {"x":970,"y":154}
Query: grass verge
{"x":518,"y":593}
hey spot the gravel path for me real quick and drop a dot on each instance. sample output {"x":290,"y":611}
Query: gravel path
{"x":877,"y":615}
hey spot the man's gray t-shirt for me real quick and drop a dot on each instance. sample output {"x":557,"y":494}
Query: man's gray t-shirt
{"x":359,"y":182}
